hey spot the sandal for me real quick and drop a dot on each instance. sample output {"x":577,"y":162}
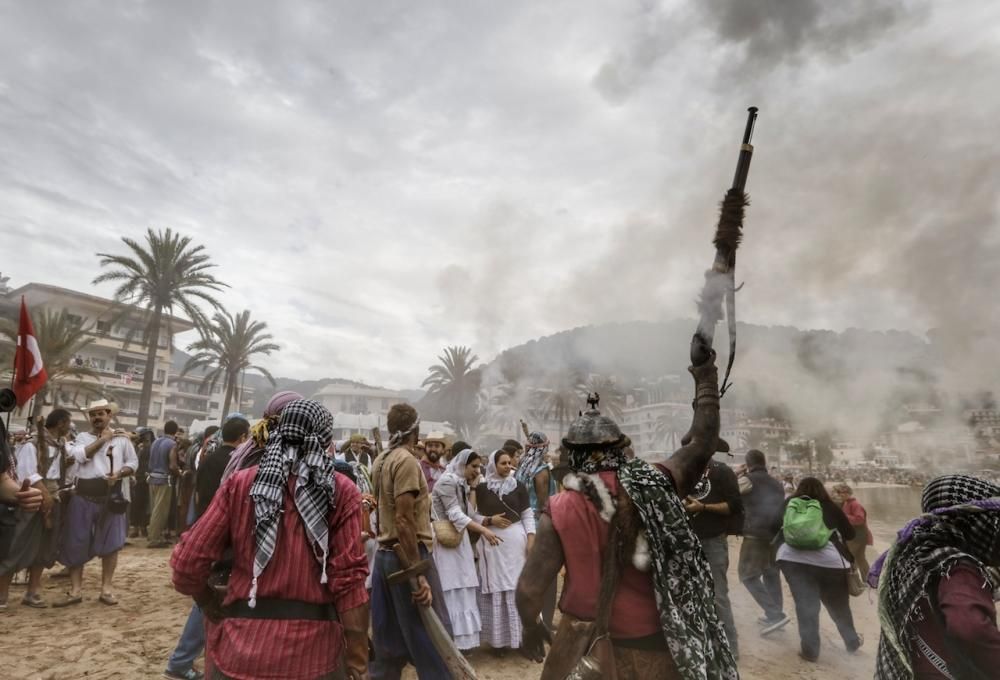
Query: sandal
{"x":108,"y":599}
{"x":69,"y":600}
{"x":34,"y":600}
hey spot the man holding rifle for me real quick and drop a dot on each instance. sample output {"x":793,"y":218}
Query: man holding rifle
{"x":642,"y":605}
{"x":102,"y":456}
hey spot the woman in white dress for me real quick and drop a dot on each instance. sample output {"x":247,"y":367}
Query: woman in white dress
{"x":457,"y":566}
{"x":503,"y":504}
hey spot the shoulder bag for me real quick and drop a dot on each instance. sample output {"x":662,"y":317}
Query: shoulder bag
{"x":445,"y":532}
{"x":856,"y":585}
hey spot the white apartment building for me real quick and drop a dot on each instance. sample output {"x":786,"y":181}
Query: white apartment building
{"x":189,"y":398}
{"x":119,"y":366}
{"x":348,"y":397}
{"x":657,"y":428}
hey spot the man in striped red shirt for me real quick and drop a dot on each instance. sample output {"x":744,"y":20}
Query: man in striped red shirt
{"x":296,"y":606}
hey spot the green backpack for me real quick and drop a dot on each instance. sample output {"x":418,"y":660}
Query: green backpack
{"x":803,"y":526}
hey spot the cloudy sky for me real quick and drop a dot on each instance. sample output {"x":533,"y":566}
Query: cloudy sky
{"x":378,"y":180}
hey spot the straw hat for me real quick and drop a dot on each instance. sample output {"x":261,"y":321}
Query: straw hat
{"x":436,"y":437}
{"x":101,"y":405}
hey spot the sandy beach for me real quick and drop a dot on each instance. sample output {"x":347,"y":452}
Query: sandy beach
{"x":134,"y":639}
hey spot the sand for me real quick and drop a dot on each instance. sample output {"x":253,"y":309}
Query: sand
{"x":135,"y":638}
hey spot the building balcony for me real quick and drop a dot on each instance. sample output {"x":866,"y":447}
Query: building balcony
{"x":171,"y":410}
{"x":187,"y":390}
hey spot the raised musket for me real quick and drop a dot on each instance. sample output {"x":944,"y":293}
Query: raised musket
{"x":720,"y":280}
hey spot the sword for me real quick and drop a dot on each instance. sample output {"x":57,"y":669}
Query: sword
{"x":459,"y":668}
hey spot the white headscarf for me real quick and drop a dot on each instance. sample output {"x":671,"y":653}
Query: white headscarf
{"x":501,"y":486}
{"x":456,"y":468}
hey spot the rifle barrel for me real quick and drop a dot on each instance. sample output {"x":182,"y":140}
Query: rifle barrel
{"x":714,"y":292}
{"x":746,"y":151}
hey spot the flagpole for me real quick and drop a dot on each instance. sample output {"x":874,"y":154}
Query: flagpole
{"x":13,"y":369}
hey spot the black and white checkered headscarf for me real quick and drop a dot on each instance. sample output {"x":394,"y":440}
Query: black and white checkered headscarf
{"x":961,"y":522}
{"x":298,"y":446}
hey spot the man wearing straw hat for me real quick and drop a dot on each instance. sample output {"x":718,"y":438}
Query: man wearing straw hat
{"x":102,"y":456}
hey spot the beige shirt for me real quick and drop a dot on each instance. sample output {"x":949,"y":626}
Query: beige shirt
{"x":394,"y":474}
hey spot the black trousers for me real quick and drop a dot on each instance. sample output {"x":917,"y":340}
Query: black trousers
{"x":810,"y":586}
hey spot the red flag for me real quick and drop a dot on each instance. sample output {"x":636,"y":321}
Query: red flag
{"x":29,"y":373}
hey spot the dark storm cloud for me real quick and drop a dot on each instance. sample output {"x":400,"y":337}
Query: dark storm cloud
{"x":771,"y":32}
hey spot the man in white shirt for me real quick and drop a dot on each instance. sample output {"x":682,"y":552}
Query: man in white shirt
{"x":103,"y":456}
{"x":36,"y":541}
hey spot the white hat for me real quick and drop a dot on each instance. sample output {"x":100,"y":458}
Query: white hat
{"x":435,"y":437}
{"x":102,"y":405}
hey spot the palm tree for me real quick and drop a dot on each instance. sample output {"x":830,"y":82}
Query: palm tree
{"x":455,"y":384}
{"x":514,"y":399}
{"x":512,"y":403}
{"x":164,"y":274}
{"x":563,"y":398}
{"x":612,"y":396}
{"x":670,"y":427}
{"x":61,"y":337}
{"x":226,"y":347}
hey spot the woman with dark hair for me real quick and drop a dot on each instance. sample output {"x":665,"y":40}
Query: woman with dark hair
{"x":814,"y":564}
{"x":504,"y":507}
{"x":457,"y":565}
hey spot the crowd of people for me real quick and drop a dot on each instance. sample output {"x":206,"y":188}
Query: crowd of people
{"x":311,"y":558}
{"x":880,"y":475}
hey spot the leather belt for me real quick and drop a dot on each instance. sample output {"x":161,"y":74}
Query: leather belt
{"x":278,"y":609}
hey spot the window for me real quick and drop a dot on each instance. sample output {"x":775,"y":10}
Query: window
{"x":213,"y":405}
{"x":75,"y":319}
{"x":160,"y":375}
{"x":155,"y":409}
{"x":385,"y":404}
{"x":103,"y":327}
{"x":130,"y":366}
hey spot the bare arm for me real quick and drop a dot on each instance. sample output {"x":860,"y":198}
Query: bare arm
{"x":542,"y":488}
{"x":175,"y":466}
{"x":687,"y":464}
{"x":541,"y":569}
{"x":406,"y":526}
{"x":406,"y":529}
